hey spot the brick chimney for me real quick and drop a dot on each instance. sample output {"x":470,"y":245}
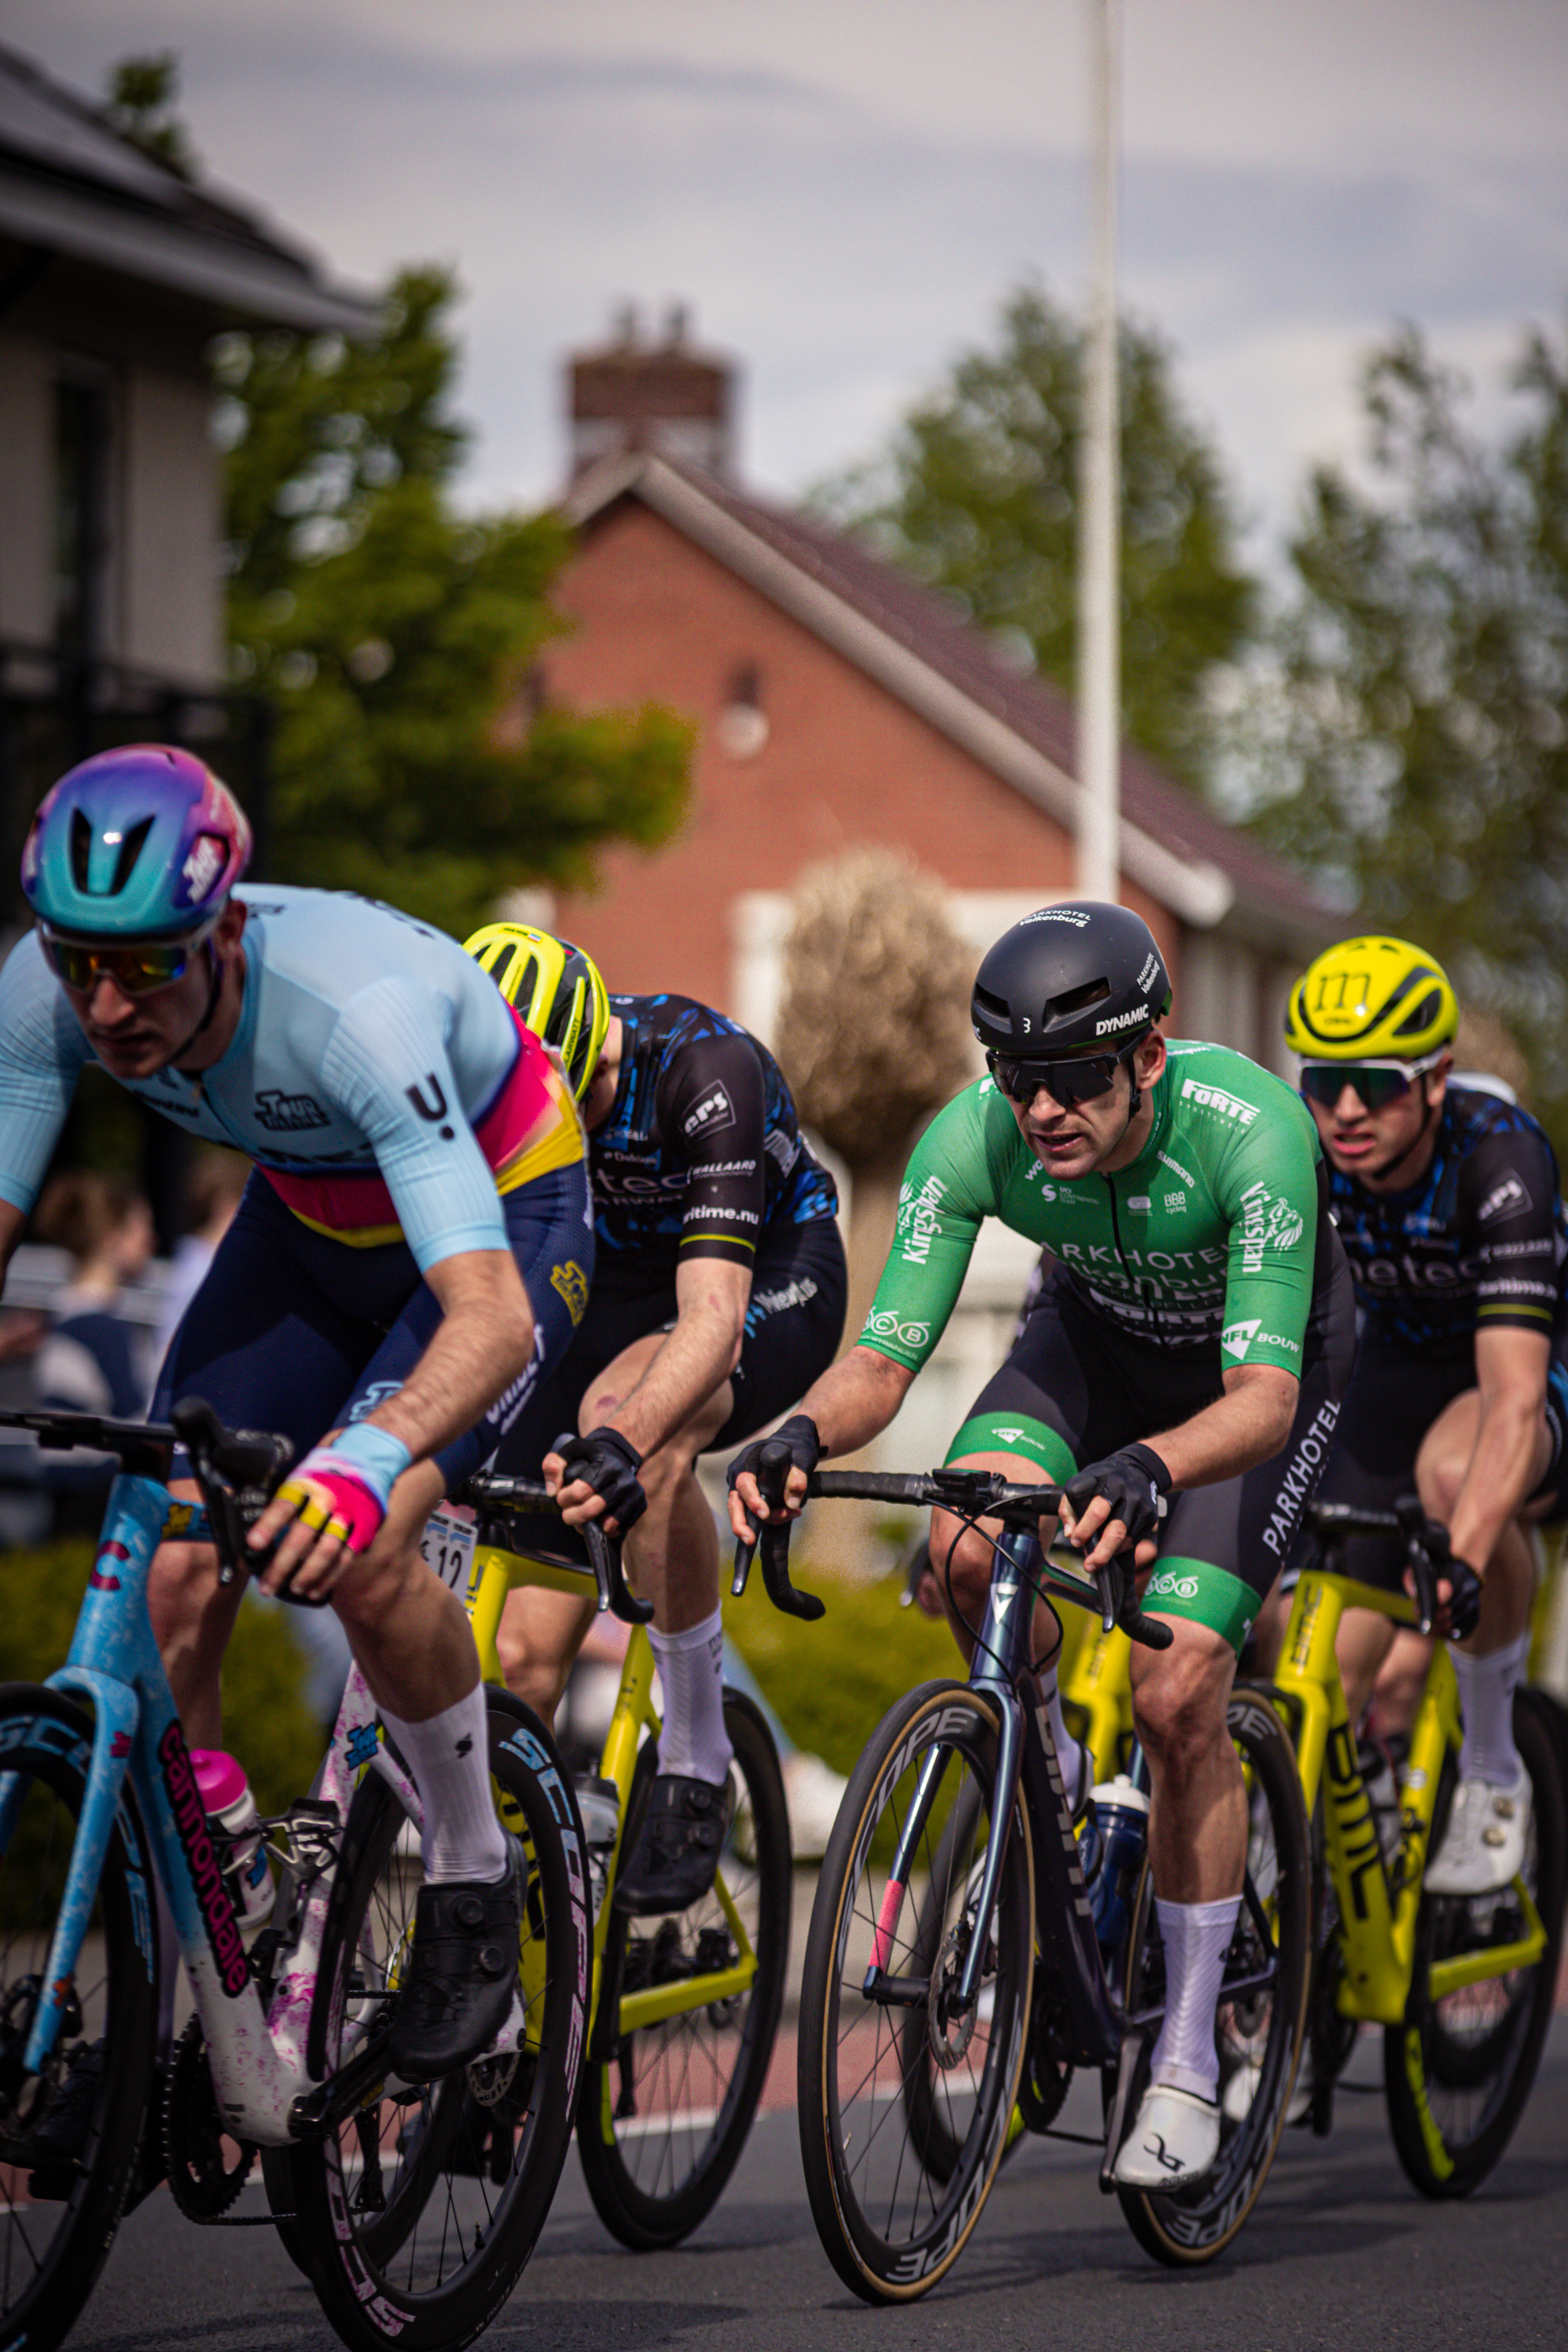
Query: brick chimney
{"x":661,"y":394}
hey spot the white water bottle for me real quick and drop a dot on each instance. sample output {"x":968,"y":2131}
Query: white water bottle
{"x":237,"y":1832}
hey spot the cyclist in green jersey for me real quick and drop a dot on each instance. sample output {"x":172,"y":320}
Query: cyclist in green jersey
{"x":1178,"y":1376}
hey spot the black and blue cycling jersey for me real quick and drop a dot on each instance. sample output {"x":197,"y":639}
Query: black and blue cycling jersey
{"x":1479,"y":1243}
{"x":701,"y":1154}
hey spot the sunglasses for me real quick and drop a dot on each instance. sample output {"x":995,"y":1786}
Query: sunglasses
{"x":1066,"y":1082}
{"x":138,"y":967}
{"x":1374,"y":1084}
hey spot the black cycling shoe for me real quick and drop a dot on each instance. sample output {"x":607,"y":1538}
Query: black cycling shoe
{"x":461,"y":1975}
{"x":56,"y":2148}
{"x":678,"y":1847}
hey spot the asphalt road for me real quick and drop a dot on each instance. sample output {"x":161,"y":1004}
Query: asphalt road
{"x":1341,"y":2254}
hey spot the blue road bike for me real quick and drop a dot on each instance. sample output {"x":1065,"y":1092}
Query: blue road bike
{"x":406,"y":2233}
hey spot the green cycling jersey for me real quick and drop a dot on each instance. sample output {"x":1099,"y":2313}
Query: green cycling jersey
{"x":1214,"y":1234}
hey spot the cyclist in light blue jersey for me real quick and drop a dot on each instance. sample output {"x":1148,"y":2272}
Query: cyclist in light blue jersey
{"x":409,"y":1253}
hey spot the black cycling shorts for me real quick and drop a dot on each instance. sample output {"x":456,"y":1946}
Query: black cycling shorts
{"x":1076,"y":1388}
{"x":294,"y":1331}
{"x":1392,"y":1400}
{"x":793,"y":1324}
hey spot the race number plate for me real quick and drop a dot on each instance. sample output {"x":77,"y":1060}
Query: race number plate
{"x":448,"y":1544}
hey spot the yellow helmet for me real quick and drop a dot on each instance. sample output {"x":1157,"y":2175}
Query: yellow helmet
{"x":556,"y":989}
{"x":1369,"y":1000}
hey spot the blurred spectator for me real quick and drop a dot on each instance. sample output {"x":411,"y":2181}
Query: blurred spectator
{"x":26,"y":1514}
{"x":92,"y":1361}
{"x":217,"y":1179}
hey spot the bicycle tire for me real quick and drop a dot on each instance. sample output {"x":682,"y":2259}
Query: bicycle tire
{"x":53,"y":2246}
{"x":890,"y":2227}
{"x":1458,"y":2070}
{"x":1263,"y":2034}
{"x":425,"y":2260}
{"x":653,"y":2184}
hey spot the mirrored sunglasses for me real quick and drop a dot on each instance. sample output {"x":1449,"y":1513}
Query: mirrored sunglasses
{"x":136,"y":966}
{"x":1066,"y":1082}
{"x":1374,"y":1084}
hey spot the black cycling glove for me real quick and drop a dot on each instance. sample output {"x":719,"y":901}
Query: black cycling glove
{"x":798,"y":1434}
{"x":1134,"y":1482}
{"x":608,"y":1463}
{"x":1463,"y":1584}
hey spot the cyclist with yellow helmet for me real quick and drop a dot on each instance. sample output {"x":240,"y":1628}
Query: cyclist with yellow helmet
{"x":717,"y":1298}
{"x":1447,"y":1199}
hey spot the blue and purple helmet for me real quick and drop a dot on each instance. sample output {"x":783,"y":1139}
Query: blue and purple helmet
{"x":140,"y":843}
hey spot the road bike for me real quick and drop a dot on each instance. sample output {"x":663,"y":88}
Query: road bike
{"x":966,"y":1954}
{"x":684,"y":2009}
{"x":370,"y":2177}
{"x":1462,"y":1986}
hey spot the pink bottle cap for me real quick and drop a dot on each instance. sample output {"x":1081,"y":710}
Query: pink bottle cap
{"x":218,"y":1777}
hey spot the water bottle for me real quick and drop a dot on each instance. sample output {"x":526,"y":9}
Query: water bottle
{"x":236,"y":1827}
{"x":599,"y":1803}
{"x":1122,"y":1814}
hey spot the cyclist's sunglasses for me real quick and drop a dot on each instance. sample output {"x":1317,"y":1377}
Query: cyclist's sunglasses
{"x":1066,"y":1082}
{"x":1376,"y":1084}
{"x":136,"y":966}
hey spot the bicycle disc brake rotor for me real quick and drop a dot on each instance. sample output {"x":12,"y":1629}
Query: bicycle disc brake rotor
{"x":950,"y":2035}
{"x":203,"y":2181}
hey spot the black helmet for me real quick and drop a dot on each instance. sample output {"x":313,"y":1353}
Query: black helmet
{"x":1083,"y":974}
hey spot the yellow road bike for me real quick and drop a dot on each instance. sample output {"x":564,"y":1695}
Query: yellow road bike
{"x":684,"y":2009}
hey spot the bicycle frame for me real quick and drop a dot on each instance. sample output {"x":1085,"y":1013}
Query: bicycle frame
{"x":1377,"y":1925}
{"x":497,"y":1572}
{"x":257,"y":2056}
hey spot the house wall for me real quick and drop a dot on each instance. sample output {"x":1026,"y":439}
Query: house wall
{"x":842,"y":763}
{"x":27,"y":484}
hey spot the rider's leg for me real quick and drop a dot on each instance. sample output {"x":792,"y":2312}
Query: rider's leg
{"x":1489,"y":1665}
{"x":537,"y":1641}
{"x":193,"y":1616}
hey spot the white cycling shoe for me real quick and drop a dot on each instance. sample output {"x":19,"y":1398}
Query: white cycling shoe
{"x":1236,"y":2100}
{"x":1173,"y":2142}
{"x":1483,"y":1845}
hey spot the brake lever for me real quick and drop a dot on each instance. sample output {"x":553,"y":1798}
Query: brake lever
{"x":772,"y":1542}
{"x":1412,"y":1517}
{"x":614,"y":1594}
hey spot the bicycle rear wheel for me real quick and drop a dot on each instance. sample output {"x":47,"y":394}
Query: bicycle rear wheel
{"x":416,"y":2216}
{"x":1460,"y":2069}
{"x":890,"y":2221}
{"x":58,"y":2212}
{"x":1260,"y":2018}
{"x":661,"y":2124}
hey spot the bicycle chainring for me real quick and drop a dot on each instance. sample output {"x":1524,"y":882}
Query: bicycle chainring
{"x":1045,"y":2079}
{"x":204,"y":2178}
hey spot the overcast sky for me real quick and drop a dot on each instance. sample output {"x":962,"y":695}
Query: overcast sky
{"x":845,"y":191}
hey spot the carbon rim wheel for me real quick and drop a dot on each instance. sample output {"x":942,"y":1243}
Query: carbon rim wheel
{"x":1460,"y":2069}
{"x":892,"y":2226}
{"x":58,"y":2218}
{"x":416,"y":2216}
{"x":663,"y":2121}
{"x":1259,"y":2027}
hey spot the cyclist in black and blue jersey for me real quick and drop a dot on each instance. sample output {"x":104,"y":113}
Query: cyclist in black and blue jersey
{"x":399,"y":1273}
{"x":719,"y":1298}
{"x":1448,"y":1202}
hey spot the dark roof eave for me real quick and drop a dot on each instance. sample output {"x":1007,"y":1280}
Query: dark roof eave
{"x":240,"y":281}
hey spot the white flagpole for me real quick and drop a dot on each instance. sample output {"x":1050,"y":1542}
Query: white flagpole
{"x":1099,"y":646}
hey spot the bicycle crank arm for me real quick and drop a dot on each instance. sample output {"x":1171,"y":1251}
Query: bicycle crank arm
{"x":315,"y":2113}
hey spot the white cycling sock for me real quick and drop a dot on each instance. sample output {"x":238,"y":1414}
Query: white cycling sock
{"x":1486,"y":1687}
{"x":449,"y":1757}
{"x":1071,"y":1756}
{"x":1195,"y":1936}
{"x":693,"y":1741}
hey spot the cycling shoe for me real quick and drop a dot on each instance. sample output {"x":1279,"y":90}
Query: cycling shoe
{"x":454,"y":1999}
{"x":1173,"y":2142}
{"x":676,"y":1852}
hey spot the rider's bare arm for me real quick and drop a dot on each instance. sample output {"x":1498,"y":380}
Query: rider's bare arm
{"x":1245,"y":1426}
{"x":712,"y":1296}
{"x":1511,"y":1374}
{"x":13,"y":1226}
{"x":853,"y":1403}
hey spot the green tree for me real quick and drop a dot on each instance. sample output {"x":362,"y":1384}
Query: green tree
{"x":977,"y":496}
{"x":396,"y":639}
{"x":142,"y":92}
{"x":1418,"y":753}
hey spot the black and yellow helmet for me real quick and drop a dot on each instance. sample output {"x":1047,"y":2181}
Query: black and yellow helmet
{"x":556,"y":989}
{"x":1370,"y":1000}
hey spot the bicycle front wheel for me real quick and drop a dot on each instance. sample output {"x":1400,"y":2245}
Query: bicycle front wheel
{"x":1460,"y":2069}
{"x":69,"y":2136}
{"x":1260,"y":2016}
{"x":663,"y":2122}
{"x":416,"y":2216}
{"x":880,"y":2078}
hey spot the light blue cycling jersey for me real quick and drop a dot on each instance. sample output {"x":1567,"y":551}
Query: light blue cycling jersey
{"x":377,"y":1077}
